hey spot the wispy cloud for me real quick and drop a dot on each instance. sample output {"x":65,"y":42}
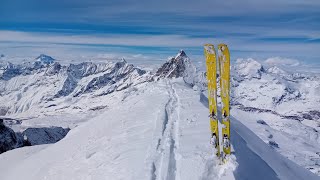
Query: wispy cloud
{"x":251,"y":28}
{"x":282,"y":61}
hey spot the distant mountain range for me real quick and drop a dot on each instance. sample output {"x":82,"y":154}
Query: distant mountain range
{"x":254,"y":87}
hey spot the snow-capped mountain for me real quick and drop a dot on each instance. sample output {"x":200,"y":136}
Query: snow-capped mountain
{"x":293,"y":95}
{"x":112,"y":107}
{"x":178,"y":66}
{"x":255,"y":88}
{"x":45,"y":59}
{"x":248,"y":69}
{"x":182,"y":66}
{"x":31,"y":86}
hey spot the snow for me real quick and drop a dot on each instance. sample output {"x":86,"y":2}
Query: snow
{"x":45,"y":59}
{"x":169,"y":140}
{"x":128,"y":142}
{"x":126,"y":125}
{"x":255,"y":157}
{"x":249,"y":68}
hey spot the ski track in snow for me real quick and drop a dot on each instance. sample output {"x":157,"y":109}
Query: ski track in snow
{"x":161,"y":132}
{"x":169,"y":140}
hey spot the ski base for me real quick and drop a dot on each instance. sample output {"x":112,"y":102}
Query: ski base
{"x":223,"y":64}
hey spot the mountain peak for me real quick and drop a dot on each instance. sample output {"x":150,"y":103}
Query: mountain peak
{"x":180,"y":66}
{"x":181,"y":54}
{"x":249,"y":68}
{"x":45,"y":59}
{"x":275,"y":70}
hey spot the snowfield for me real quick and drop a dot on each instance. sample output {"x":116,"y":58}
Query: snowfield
{"x":128,"y":123}
{"x":152,"y":134}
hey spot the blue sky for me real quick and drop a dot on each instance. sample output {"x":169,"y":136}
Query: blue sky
{"x":149,"y":29}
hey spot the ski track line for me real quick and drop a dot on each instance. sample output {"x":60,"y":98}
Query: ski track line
{"x":168,"y":144}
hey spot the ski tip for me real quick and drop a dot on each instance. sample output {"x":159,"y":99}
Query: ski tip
{"x":209,"y":48}
{"x":222,"y":47}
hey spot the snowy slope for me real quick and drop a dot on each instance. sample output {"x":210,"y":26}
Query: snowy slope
{"x":274,"y":89}
{"x":123,"y":118}
{"x":37,"y":89}
{"x":138,"y":139}
{"x":141,"y":139}
{"x":257,"y":160}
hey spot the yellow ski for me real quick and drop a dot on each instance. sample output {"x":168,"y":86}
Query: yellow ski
{"x":211,"y":64}
{"x":224,"y":63}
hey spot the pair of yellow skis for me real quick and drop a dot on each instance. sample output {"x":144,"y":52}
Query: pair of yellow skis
{"x":223,"y":65}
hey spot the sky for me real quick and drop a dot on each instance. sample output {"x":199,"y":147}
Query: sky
{"x":149,"y":30}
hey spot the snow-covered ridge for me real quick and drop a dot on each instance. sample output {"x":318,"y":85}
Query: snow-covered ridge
{"x":45,"y":59}
{"x":45,"y":83}
{"x":162,"y":118}
{"x":249,"y":68}
{"x":255,"y":87}
{"x":274,"y":89}
{"x":38,"y":84}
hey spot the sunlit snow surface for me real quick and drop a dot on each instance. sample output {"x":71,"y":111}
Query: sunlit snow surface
{"x":160,"y":129}
{"x":158,"y":132}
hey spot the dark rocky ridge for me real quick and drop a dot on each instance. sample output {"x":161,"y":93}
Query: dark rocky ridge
{"x":31,"y":136}
{"x":8,"y":138}
{"x":173,"y":68}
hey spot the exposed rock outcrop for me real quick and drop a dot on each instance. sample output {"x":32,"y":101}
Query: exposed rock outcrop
{"x":8,"y":138}
{"x":45,"y":135}
{"x":179,"y":66}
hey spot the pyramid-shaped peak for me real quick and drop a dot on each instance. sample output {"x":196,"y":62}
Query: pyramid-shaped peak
{"x":181,"y":54}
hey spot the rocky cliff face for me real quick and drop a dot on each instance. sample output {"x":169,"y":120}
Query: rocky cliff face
{"x":31,"y":136}
{"x":8,"y":138}
{"x":179,"y":66}
{"x":45,"y":135}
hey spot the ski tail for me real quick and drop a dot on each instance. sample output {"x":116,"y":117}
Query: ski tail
{"x":211,"y":64}
{"x":224,"y":64}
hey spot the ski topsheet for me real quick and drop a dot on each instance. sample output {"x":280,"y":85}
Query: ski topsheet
{"x":211,"y":64}
{"x":224,"y":64}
